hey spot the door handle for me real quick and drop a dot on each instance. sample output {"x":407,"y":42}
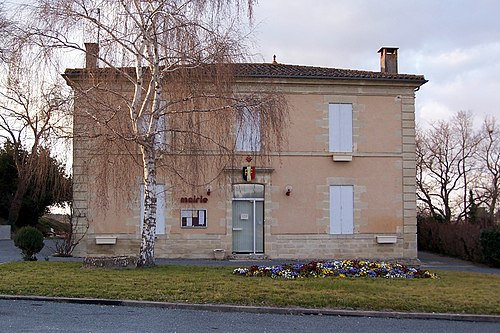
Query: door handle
{"x":237,"y":229}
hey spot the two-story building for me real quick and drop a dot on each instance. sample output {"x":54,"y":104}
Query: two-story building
{"x":342,"y":187}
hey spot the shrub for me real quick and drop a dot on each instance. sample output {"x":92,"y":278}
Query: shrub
{"x":490,"y":245}
{"x":30,"y":241}
{"x":453,"y":239}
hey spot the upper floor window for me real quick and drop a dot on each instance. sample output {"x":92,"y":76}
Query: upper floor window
{"x":340,"y":127}
{"x":248,"y":135}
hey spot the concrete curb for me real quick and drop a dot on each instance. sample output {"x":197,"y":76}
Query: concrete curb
{"x":264,"y":309}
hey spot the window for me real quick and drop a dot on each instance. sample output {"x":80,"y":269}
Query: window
{"x":341,"y":209}
{"x":248,"y":131}
{"x":340,"y":125}
{"x":193,"y":218}
{"x":160,"y":208}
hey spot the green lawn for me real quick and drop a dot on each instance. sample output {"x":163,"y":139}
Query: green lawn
{"x":454,"y":292}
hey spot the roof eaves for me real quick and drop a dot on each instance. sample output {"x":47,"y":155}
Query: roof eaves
{"x":419,"y":80}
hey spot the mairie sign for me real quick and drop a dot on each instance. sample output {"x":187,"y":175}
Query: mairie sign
{"x":248,"y":173}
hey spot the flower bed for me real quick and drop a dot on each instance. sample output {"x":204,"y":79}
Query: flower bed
{"x":339,"y":268}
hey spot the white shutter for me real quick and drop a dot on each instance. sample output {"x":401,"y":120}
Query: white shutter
{"x":160,"y":208}
{"x":333,"y":125}
{"x":341,"y":209}
{"x":340,"y":127}
{"x":345,"y":128}
{"x":335,"y":210}
{"x":347,"y":208}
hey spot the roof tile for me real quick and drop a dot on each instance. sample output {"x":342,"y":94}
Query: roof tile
{"x":267,"y":70}
{"x":296,"y":71}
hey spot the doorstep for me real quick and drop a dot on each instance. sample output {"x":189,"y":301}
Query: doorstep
{"x":247,"y":256}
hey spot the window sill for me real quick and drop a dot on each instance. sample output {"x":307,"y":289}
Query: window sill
{"x":105,"y":240}
{"x":342,"y":158}
{"x":386,"y":239}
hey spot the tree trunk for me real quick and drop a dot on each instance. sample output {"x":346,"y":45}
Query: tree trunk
{"x":17,"y":201}
{"x":492,"y":207}
{"x":147,"y":249}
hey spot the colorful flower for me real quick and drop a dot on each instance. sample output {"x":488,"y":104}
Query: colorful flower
{"x":343,"y":269}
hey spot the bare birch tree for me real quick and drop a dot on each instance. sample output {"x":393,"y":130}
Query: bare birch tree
{"x":174,"y":61}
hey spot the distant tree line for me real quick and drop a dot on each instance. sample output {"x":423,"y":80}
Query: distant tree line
{"x":458,"y":170}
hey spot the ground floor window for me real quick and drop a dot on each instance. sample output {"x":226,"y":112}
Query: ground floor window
{"x":341,"y":209}
{"x":193,"y":218}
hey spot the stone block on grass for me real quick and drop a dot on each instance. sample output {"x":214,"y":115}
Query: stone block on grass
{"x":110,"y":262}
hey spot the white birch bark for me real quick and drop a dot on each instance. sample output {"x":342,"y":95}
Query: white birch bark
{"x":147,"y":252}
{"x":150,"y":112}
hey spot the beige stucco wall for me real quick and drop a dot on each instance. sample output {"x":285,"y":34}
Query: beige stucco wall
{"x":296,"y":226}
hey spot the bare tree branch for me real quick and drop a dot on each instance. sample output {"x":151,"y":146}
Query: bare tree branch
{"x":165,"y":95}
{"x":452,"y":160}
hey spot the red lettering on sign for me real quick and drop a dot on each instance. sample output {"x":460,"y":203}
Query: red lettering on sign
{"x":194,"y":199}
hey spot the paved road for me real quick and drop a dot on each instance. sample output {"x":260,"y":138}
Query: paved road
{"x":41,"y":317}
{"x":435,"y":261}
{"x":8,"y":252}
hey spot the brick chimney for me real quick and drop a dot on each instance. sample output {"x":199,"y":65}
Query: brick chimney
{"x":388,"y":60}
{"x":91,"y":55}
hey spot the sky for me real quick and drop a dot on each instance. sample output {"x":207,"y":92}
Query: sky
{"x":455,"y":44}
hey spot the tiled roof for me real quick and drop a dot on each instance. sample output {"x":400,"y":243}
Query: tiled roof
{"x":268,"y":70}
{"x":265,"y":70}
